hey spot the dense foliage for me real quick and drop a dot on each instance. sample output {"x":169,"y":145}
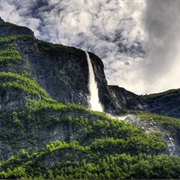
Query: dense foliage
{"x":98,"y":148}
{"x":63,"y":160}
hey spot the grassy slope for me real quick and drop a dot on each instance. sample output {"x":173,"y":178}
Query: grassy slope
{"x":104,"y":148}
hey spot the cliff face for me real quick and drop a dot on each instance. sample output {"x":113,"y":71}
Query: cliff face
{"x":62,"y":73}
{"x":124,"y":99}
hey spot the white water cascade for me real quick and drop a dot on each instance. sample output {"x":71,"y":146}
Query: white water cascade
{"x":95,"y":105}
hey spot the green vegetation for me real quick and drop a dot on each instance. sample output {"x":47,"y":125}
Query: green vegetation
{"x":10,"y":80}
{"x":100,"y":129}
{"x":54,"y":48}
{"x":20,"y":82}
{"x":9,"y":56}
{"x":10,"y":39}
{"x":44,"y":139}
{"x":8,"y":53}
{"x":63,"y":160}
{"x":98,"y":147}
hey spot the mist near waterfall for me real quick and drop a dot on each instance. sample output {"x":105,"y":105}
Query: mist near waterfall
{"x":94,"y":102}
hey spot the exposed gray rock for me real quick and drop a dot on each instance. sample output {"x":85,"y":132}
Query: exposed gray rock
{"x":64,"y":73}
{"x":124,"y":99}
{"x":152,"y":127}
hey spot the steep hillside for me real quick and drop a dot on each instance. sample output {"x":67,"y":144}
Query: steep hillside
{"x":68,"y":141}
{"x":165,"y":103}
{"x":46,"y":130}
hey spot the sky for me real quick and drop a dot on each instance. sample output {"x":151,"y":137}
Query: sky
{"x":137,"y":40}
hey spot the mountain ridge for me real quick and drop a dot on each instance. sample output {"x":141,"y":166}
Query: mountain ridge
{"x":45,"y":133}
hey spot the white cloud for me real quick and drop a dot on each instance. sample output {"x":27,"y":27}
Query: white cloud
{"x":113,"y":30}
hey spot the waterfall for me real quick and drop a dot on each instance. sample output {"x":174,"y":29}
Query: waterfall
{"x":93,"y":89}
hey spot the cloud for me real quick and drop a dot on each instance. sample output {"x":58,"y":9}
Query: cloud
{"x":162,"y":44}
{"x":19,"y":13}
{"x":137,"y":40}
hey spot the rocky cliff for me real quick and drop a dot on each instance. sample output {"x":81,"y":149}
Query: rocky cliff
{"x":165,"y":103}
{"x":124,"y":99}
{"x":61,"y":71}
